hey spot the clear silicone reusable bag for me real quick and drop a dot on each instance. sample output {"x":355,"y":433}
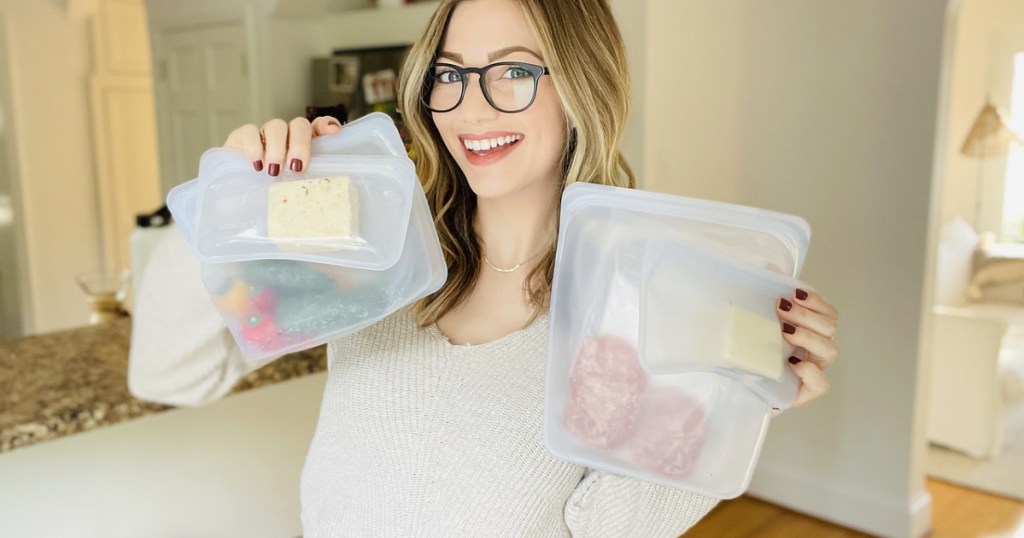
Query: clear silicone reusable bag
{"x":732,"y":327}
{"x":274,"y":307}
{"x":696,"y":429}
{"x":246,"y":215}
{"x":372,"y":134}
{"x":229,"y":213}
{"x":279,"y":304}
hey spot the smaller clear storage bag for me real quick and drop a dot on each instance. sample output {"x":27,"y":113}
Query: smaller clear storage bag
{"x":666,"y":356}
{"x":305,"y":258}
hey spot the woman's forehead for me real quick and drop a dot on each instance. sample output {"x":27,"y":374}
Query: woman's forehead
{"x":480,"y":29}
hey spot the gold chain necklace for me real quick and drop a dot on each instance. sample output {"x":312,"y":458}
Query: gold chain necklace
{"x":499,"y":269}
{"x":517,"y":266}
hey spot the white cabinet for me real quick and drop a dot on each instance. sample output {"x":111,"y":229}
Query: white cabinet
{"x":124,"y":125}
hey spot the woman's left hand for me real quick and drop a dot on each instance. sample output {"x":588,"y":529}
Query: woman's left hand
{"x":810,"y":322}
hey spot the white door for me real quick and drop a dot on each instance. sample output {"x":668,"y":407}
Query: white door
{"x":227,"y":92}
{"x":205,"y":83}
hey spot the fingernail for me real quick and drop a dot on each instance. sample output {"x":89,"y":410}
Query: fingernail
{"x":788,"y":329}
{"x":794,"y":360}
{"x":258,"y":165}
{"x":334,"y":123}
{"x":295,"y":165}
{"x":801,"y":294}
{"x":273,"y":169}
{"x":785,"y":305}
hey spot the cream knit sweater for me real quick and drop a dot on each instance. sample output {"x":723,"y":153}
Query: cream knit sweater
{"x":416,"y":437}
{"x":419,"y":437}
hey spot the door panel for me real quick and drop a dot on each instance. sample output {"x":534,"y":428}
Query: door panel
{"x":228,"y":84}
{"x":207,"y":84}
{"x":186,"y":90}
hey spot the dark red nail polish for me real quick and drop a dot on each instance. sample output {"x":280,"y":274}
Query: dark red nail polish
{"x":794,"y":360}
{"x":258,"y":165}
{"x":295,"y":165}
{"x":273,"y":169}
{"x":785,"y":305}
{"x":801,"y":294}
{"x":788,"y":329}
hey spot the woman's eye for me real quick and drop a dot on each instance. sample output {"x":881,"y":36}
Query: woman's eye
{"x":517,"y":71}
{"x":448,"y":77}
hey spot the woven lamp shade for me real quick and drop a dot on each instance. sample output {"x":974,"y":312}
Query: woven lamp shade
{"x":990,"y":136}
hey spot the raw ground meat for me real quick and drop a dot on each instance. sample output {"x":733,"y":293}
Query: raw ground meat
{"x":669,"y":432}
{"x":604,"y":391}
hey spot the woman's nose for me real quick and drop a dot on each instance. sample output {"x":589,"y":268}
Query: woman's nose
{"x":474,"y":104}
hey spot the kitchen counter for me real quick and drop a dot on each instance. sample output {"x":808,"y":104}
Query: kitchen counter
{"x":57,"y":384}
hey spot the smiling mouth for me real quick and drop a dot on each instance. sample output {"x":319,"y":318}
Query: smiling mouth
{"x":491,"y":145}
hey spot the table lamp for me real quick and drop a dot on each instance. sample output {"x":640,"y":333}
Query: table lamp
{"x":990,"y":136}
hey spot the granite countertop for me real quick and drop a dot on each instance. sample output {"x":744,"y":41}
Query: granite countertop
{"x":57,"y":384}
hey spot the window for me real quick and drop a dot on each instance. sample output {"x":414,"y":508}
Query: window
{"x":1013,"y":196}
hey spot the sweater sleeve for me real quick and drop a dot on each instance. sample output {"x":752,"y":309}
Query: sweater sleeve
{"x":609,"y":505}
{"x":181,"y":351}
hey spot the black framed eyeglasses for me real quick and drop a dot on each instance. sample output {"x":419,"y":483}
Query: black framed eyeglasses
{"x":508,"y":86}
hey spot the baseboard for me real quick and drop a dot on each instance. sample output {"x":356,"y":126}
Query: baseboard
{"x":895,"y":518}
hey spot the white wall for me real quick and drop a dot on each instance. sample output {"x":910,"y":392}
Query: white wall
{"x":980,"y":28}
{"x":49,"y":64}
{"x":631,"y":17}
{"x":826,"y":110}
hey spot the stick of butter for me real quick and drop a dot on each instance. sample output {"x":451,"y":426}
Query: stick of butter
{"x":312,"y":208}
{"x":753,"y":344}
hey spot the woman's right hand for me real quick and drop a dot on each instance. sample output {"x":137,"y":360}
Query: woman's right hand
{"x":278,"y":142}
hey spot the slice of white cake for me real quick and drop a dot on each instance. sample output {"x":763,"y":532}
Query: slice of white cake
{"x":753,"y":343}
{"x":326,"y":207}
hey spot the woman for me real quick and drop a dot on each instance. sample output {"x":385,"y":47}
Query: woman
{"x":431,"y":419}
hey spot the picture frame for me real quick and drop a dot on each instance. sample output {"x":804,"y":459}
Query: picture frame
{"x":343,"y":73}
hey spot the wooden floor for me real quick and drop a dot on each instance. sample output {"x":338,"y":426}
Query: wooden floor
{"x":956,"y":513}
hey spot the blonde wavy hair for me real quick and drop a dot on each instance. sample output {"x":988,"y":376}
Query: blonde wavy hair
{"x":583,"y":49}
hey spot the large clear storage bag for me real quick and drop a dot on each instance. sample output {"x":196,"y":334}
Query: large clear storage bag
{"x":636,"y":273}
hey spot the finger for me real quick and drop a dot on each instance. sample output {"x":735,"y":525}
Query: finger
{"x":810,"y":299}
{"x":300,"y":132}
{"x":275,"y":140}
{"x":813,"y":382}
{"x":823,"y":348}
{"x":805,"y":317}
{"x":247,"y":139}
{"x":325,"y":125}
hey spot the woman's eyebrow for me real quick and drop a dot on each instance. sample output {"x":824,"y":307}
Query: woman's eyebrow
{"x":456,"y":57}
{"x":509,"y":50}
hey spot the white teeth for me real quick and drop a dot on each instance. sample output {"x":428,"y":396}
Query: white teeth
{"x":484,"y":145}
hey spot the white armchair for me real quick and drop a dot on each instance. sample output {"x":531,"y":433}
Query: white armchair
{"x":977,"y":355}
